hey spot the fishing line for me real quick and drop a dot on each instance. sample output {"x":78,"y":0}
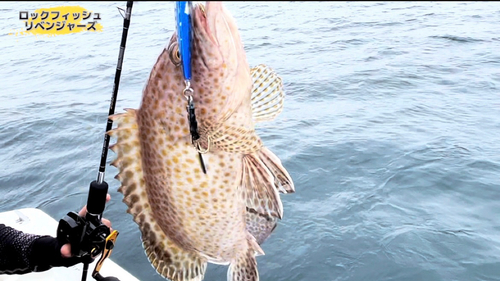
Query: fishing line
{"x":109,"y":125}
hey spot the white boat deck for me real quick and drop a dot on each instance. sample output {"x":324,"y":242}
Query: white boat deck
{"x":35,"y":221}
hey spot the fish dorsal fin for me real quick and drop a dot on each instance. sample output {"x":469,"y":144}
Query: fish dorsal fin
{"x":169,"y":259}
{"x":267,"y":93}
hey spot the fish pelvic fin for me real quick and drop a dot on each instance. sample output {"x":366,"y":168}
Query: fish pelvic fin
{"x":259,"y":187}
{"x":169,"y":260}
{"x":267,"y":93}
{"x":263,"y":178}
{"x":282,"y":179}
{"x":260,"y":225}
{"x":244,"y":266}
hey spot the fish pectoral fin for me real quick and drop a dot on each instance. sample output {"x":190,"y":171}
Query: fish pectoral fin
{"x":244,"y":266}
{"x":169,"y":260}
{"x":267,"y":93}
{"x":259,"y":188}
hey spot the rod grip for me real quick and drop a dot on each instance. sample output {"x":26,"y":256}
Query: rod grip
{"x":96,"y":200}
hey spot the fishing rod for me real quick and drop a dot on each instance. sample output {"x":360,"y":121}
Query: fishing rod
{"x":89,"y":236}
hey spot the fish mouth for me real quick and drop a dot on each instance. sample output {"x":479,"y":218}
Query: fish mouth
{"x":204,"y":20}
{"x":216,"y":40}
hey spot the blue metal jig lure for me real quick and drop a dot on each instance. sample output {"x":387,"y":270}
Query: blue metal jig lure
{"x":183,"y":16}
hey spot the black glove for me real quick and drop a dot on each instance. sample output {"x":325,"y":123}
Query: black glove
{"x":22,"y":253}
{"x":46,"y":253}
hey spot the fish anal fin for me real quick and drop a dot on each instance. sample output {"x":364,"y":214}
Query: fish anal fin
{"x":169,"y":260}
{"x":244,"y":266}
{"x":267,"y":93}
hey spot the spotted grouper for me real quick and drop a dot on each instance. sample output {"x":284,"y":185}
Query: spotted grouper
{"x":215,"y":198}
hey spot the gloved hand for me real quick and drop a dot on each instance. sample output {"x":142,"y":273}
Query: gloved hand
{"x":47,"y":252}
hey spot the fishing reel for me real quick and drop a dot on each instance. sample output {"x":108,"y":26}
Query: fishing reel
{"x":88,"y":236}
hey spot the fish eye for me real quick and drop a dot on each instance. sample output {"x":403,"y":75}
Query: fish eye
{"x":174,"y":54}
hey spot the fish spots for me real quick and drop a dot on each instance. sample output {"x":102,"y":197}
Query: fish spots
{"x":141,"y":218}
{"x":138,"y":209}
{"x":175,"y":159}
{"x":130,"y":188}
{"x":146,"y":131}
{"x":129,"y":174}
{"x":177,"y":170}
{"x":134,"y":199}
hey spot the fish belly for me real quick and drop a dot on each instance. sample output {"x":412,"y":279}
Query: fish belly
{"x":200,"y":212}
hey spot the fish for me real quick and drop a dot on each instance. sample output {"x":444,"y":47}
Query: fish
{"x":190,"y":216}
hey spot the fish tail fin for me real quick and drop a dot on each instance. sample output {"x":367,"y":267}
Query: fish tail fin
{"x":244,"y":266}
{"x":169,"y":260}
